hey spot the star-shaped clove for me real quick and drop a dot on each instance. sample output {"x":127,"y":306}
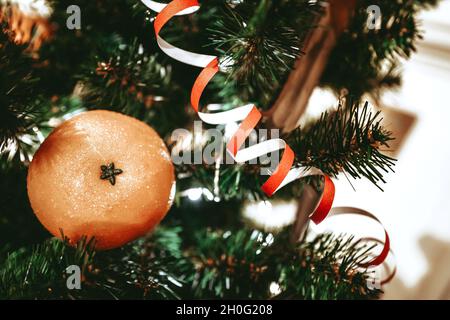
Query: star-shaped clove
{"x":109,"y":172}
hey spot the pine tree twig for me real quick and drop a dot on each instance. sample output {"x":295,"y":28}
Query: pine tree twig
{"x":135,"y":83}
{"x":367,"y":61}
{"x":245,"y":264}
{"x":39,"y":272}
{"x":259,"y":42}
{"x":20,"y":113}
{"x":351,"y":139}
{"x":150,"y":268}
{"x":347,"y":140}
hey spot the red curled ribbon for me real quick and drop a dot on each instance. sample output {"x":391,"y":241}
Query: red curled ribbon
{"x":249,"y":117}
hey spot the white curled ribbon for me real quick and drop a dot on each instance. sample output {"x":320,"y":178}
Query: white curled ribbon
{"x":249,"y":116}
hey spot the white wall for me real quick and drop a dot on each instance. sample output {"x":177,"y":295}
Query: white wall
{"x":415,"y":206}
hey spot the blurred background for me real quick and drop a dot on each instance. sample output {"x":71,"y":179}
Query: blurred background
{"x":415,"y":204}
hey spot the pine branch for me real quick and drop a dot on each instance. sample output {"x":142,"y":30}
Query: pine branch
{"x":69,"y":51}
{"x":20,"y":115}
{"x":128,"y":80}
{"x":237,"y":263}
{"x":39,"y":272}
{"x":350,"y":139}
{"x":149,"y":268}
{"x":259,"y":42}
{"x":367,"y":61}
{"x":152,"y":267}
{"x":245,"y":263}
{"x":328,"y":270}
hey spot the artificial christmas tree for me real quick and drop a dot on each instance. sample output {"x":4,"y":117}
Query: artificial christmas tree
{"x":248,"y":50}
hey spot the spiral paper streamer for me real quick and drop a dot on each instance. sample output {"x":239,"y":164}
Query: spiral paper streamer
{"x":249,"y":116}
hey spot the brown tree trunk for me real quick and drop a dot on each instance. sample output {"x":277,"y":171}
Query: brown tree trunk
{"x":292,"y":102}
